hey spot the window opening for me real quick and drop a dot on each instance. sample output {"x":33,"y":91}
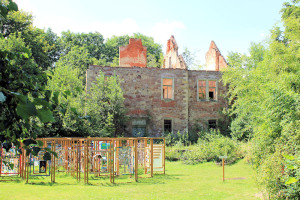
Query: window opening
{"x":167,"y":126}
{"x":202,"y":89}
{"x":167,"y":88}
{"x":139,"y":127}
{"x":212,"y":124}
{"x":212,"y":90}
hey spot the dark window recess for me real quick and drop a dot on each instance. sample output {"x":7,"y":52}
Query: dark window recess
{"x":211,"y":95}
{"x":212,"y":124}
{"x":138,"y":131}
{"x":167,"y":126}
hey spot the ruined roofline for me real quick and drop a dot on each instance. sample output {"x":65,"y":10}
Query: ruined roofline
{"x":152,"y":68}
{"x":174,"y":44}
{"x":214,"y":58}
{"x":215,"y":47}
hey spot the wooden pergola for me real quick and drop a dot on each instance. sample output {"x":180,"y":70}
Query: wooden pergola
{"x":111,"y":157}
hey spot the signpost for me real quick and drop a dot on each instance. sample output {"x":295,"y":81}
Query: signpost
{"x":223,"y":165}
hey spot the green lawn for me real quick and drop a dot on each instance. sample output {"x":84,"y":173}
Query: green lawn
{"x":201,"y":181}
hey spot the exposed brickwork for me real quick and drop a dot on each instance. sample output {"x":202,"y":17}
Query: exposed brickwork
{"x":143,"y":95}
{"x":134,"y":54}
{"x":172,"y":59}
{"x":202,"y":111}
{"x":214,"y":59}
{"x":142,"y":88}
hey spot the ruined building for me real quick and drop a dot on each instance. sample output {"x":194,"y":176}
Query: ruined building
{"x":171,"y":98}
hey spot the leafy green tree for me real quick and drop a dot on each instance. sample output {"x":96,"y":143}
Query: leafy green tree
{"x":66,"y":80}
{"x":41,"y":45}
{"x":105,"y":106}
{"x":93,"y":42}
{"x":77,"y":57}
{"x":55,"y":49}
{"x":112,"y":46}
{"x":25,"y":104}
{"x":188,"y":57}
{"x":154,"y":50}
{"x":265,"y":96}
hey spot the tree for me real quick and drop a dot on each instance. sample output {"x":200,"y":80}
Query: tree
{"x":41,"y":45}
{"x":265,"y":95}
{"x":105,"y":106}
{"x":154,"y":50}
{"x":25,"y":104}
{"x":77,"y":57}
{"x":93,"y":42}
{"x":112,"y":46}
{"x":188,"y":57}
{"x":66,"y":80}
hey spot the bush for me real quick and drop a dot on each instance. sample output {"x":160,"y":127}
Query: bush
{"x":175,"y":138}
{"x":209,"y":147}
{"x":174,"y":153}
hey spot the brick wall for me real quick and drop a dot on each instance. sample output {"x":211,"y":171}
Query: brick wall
{"x":202,"y":111}
{"x":214,"y":59}
{"x":134,"y":54}
{"x":172,"y":59}
{"x":143,"y":96}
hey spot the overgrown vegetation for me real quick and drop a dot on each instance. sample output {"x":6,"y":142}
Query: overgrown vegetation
{"x":209,"y":147}
{"x":264,"y":89}
{"x":42,"y":84}
{"x":42,"y":90}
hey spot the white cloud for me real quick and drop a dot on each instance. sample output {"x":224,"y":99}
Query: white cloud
{"x":25,"y":5}
{"x":162,"y":31}
{"x":263,"y":35}
{"x":108,"y":29}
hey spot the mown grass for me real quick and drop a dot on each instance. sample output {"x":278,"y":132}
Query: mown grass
{"x":201,"y":181}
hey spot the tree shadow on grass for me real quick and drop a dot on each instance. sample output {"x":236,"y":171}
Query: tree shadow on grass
{"x":105,"y":181}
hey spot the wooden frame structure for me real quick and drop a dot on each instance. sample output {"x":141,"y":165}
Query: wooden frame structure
{"x":111,"y":157}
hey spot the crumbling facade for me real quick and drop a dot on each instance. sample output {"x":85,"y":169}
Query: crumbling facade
{"x":214,"y":59}
{"x":169,"y":98}
{"x":172,"y":60}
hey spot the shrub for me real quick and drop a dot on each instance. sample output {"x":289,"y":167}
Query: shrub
{"x":174,"y":138}
{"x":209,"y":147}
{"x":174,"y":153}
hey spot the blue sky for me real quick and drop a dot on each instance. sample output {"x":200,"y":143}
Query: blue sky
{"x":232,"y":24}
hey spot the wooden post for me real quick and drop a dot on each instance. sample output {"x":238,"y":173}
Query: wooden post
{"x":27,"y":171}
{"x":117,"y":157}
{"x":223,"y":169}
{"x":136,"y":166}
{"x":1,"y":155}
{"x":164,"y":156}
{"x":52,"y":167}
{"x":87,"y":161}
{"x":23,"y":164}
{"x":84,"y":160}
{"x":51,"y":164}
{"x":110,"y":162}
{"x":113,"y":161}
{"x":151,"y":146}
{"x":66,"y":145}
{"x":54,"y":149}
{"x":79,"y":147}
{"x":145,"y":153}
